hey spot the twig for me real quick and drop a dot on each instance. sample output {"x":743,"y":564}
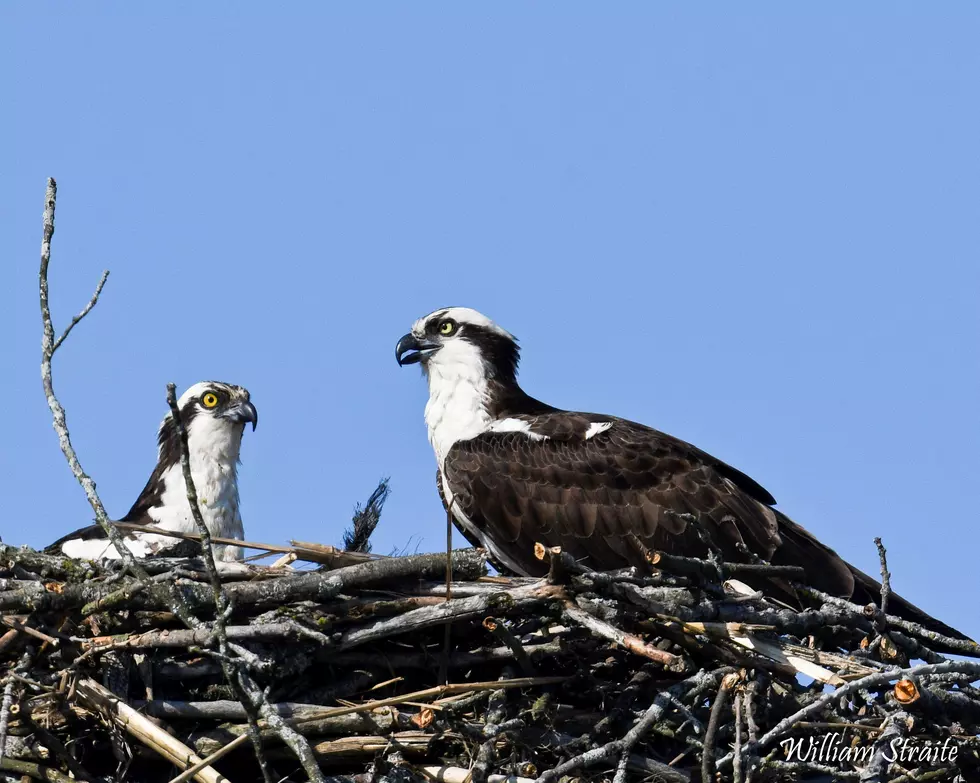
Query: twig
{"x":248,"y":692}
{"x":438,"y":692}
{"x":894,"y":729}
{"x":447,"y":632}
{"x":886,"y":587}
{"x":504,"y":634}
{"x":714,"y":721}
{"x":85,"y":311}
{"x":5,"y":705}
{"x":630,"y":642}
{"x":737,"y":763}
{"x":176,"y":752}
{"x":873,"y":680}
{"x":48,"y":345}
{"x":460,"y":775}
{"x":31,"y":770}
{"x":625,"y":745}
{"x":19,"y":625}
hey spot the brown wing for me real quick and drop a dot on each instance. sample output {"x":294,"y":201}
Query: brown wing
{"x":610,"y":498}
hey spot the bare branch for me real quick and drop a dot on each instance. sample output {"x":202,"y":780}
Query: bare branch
{"x":886,"y":585}
{"x":85,"y":311}
{"x":48,"y":346}
{"x":248,"y":692}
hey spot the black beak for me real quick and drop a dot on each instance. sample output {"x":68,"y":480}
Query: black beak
{"x":416,"y":349}
{"x":242,"y":411}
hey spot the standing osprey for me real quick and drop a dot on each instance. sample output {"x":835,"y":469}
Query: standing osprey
{"x":214,"y":415}
{"x":514,"y":471}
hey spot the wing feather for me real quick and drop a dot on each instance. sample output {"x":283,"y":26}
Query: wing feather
{"x":611,"y":498}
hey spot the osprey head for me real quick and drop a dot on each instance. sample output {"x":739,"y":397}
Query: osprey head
{"x":221,"y":402}
{"x":460,"y":339}
{"x":214,"y":415}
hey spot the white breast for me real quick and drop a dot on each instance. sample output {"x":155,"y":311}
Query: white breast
{"x":217,"y":494}
{"x":456,"y":409}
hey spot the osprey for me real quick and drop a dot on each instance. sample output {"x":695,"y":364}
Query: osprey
{"x":214,"y":415}
{"x":513,"y":471}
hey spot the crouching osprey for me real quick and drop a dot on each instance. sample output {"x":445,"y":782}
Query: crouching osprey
{"x":214,"y":415}
{"x":514,"y":471}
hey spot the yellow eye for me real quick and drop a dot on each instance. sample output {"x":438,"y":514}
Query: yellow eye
{"x":447,"y":327}
{"x":209,"y":400}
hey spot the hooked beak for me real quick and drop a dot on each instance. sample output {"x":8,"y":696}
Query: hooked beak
{"x":417,"y":350}
{"x":241,"y":412}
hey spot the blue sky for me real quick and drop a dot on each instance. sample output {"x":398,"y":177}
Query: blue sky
{"x":755,"y":230}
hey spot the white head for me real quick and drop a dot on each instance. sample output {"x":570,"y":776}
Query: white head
{"x":466,"y":358}
{"x":214,"y":415}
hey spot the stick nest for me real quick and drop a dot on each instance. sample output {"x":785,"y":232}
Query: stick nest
{"x":679,"y":676}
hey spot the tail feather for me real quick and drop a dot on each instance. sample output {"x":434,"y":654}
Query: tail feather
{"x":92,"y":549}
{"x":91,"y":534}
{"x":829,"y":572}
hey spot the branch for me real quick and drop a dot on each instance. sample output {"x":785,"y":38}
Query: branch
{"x":250,"y":695}
{"x":48,"y":347}
{"x":623,"y":746}
{"x":886,"y":587}
{"x":85,"y":311}
{"x":865,"y":683}
{"x":708,"y":756}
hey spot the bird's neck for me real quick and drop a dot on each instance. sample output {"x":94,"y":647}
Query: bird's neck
{"x":210,"y":443}
{"x":457,"y":408}
{"x":213,"y":448}
{"x":465,"y":404}
{"x":213,"y":452}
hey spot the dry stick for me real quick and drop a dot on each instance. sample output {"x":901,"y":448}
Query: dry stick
{"x":629,"y":641}
{"x":48,"y":347}
{"x":85,"y":311}
{"x":248,"y":691}
{"x":971,"y":668}
{"x":894,"y":728}
{"x":460,"y":775}
{"x":625,"y":745}
{"x":447,"y":638}
{"x":313,"y":553}
{"x":7,"y":639}
{"x":505,"y":635}
{"x":20,"y":625}
{"x":50,"y":741}
{"x":133,"y":526}
{"x":714,"y":721}
{"x":886,"y":587}
{"x":175,"y":751}
{"x":31,"y":770}
{"x":200,"y":637}
{"x":438,"y":692}
{"x":960,"y":646}
{"x":737,"y":771}
{"x":8,"y":698}
{"x":220,"y":597}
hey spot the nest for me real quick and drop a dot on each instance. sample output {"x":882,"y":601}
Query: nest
{"x":373,"y":669}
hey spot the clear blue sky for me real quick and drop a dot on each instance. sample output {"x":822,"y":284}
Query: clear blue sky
{"x":757,"y":231}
